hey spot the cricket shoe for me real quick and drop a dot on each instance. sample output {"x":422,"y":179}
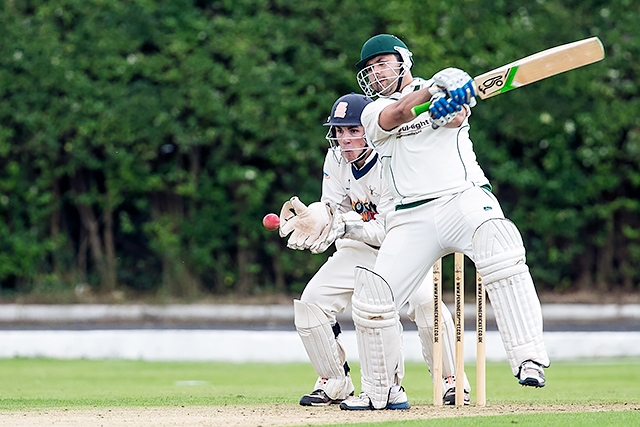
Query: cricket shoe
{"x":449,"y":387}
{"x":319,"y":396}
{"x":531,"y":374}
{"x":397,"y":400}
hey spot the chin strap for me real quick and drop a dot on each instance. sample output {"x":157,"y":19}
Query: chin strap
{"x":362,"y":156}
{"x":399,"y":85}
{"x":405,"y":56}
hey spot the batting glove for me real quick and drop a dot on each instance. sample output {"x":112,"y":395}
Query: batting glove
{"x":458,"y":84}
{"x":442,"y":110}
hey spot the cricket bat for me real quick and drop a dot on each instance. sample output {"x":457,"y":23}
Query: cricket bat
{"x":532,"y":68}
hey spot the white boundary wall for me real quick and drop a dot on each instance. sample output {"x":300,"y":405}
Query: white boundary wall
{"x":270,"y":346}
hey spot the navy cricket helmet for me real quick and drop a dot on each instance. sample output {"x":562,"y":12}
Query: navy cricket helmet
{"x":347,"y":109}
{"x":346,"y":112}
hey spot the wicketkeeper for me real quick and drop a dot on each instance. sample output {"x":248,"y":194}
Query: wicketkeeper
{"x":351,"y":213}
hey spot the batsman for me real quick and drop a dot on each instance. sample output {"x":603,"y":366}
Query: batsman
{"x":442,"y":204}
{"x":351,"y":214}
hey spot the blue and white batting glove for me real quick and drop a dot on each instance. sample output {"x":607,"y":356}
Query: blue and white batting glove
{"x":442,"y":110}
{"x":458,"y":84}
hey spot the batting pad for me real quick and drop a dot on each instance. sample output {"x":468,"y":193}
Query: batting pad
{"x":379,"y":336}
{"x":424,"y":321}
{"x":500,"y":260}
{"x":323,"y":348}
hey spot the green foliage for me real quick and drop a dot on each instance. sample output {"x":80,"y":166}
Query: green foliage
{"x":141,"y":142}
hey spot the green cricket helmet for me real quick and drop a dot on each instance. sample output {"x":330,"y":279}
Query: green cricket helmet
{"x":385,"y":78}
{"x":381,"y":44}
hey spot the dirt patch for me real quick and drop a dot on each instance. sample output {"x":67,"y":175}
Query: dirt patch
{"x":280,"y":415}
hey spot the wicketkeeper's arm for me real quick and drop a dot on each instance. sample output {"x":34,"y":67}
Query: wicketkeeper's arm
{"x":350,"y":225}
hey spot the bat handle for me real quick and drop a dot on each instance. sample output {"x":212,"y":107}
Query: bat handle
{"x":419,"y":109}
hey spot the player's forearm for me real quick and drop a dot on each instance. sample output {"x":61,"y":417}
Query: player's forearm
{"x":400,"y":112}
{"x":460,"y":117}
{"x":371,"y":232}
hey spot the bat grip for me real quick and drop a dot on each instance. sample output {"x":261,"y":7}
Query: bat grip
{"x":419,"y":109}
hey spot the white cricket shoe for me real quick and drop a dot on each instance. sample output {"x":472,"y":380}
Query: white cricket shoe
{"x":531,"y":374}
{"x":449,"y":395}
{"x":397,"y":400}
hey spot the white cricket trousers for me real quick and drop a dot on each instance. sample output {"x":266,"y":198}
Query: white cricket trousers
{"x":332,"y":286}
{"x":418,"y":236}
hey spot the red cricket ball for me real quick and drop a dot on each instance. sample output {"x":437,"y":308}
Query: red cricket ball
{"x":271,"y":221}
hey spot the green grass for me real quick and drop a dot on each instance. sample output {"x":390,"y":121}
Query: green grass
{"x":76,"y":384}
{"x":590,"y":419}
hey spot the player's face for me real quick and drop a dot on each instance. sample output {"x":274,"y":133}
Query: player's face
{"x":382,"y":73}
{"x":351,"y":140}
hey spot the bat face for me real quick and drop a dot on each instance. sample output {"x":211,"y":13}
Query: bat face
{"x":533,"y":68}
{"x":539,"y":66}
{"x":495,"y":82}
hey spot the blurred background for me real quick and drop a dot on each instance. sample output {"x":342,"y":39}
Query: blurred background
{"x":142,"y":141}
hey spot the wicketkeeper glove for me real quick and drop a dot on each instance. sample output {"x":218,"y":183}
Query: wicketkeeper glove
{"x":343,"y":225}
{"x":305,"y":223}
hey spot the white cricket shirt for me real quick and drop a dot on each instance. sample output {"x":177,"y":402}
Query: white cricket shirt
{"x":363,"y":191}
{"x":419,"y":162}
